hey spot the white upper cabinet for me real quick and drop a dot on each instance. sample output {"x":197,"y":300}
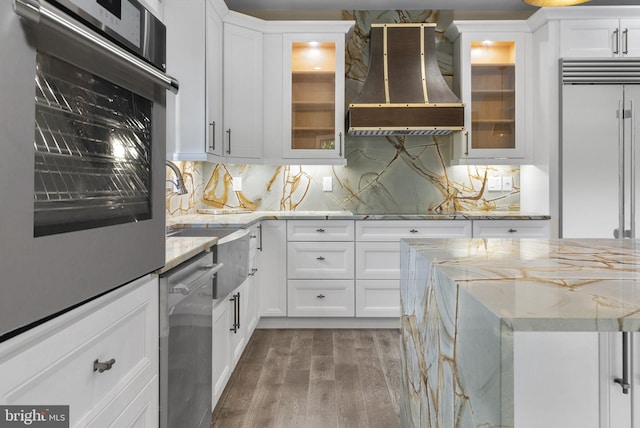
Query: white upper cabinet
{"x":242,"y":76}
{"x":194,"y":57}
{"x":216,"y":55}
{"x":304,"y":92}
{"x":600,"y":38}
{"x":491,"y":61}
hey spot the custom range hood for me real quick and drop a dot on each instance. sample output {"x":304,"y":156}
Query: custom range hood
{"x":404,"y":92}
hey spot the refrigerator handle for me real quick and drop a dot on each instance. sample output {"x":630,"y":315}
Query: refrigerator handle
{"x":621,"y":173}
{"x":632,"y":220}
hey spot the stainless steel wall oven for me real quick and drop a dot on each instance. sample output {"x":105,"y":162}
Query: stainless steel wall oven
{"x":82,"y":153}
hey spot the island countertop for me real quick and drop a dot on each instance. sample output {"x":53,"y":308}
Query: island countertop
{"x":485,"y":319}
{"x":542,"y":285}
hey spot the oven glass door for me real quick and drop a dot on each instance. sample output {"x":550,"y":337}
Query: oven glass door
{"x":82,"y":165}
{"x":92,"y":150}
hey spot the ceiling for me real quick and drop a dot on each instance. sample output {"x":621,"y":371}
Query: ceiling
{"x":496,"y":5}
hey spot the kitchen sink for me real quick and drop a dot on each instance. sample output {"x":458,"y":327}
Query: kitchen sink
{"x":187,"y":232}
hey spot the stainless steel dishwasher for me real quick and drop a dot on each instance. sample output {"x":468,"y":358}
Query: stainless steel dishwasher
{"x":186,"y":304}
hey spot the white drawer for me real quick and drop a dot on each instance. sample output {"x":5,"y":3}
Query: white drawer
{"x":320,"y":260}
{"x":510,"y":228}
{"x":320,"y":230}
{"x":320,"y":298}
{"x":378,"y":260}
{"x":395,"y":230}
{"x":378,"y":298}
{"x":53,"y":364}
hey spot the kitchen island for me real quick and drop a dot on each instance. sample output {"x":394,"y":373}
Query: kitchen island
{"x":499,"y":332}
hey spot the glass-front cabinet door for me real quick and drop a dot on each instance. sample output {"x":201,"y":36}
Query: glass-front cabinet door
{"x":313,"y":96}
{"x":491,"y":82}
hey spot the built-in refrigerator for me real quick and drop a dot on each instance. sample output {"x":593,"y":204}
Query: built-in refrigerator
{"x":600,"y":190}
{"x":600,"y":157}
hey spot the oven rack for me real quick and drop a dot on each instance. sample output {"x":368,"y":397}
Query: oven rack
{"x":59,"y":177}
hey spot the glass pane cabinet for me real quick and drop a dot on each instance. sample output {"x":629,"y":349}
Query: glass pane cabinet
{"x":491,"y":81}
{"x":313,"y":96}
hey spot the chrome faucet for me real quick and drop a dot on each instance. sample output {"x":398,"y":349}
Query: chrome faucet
{"x":179,"y":183}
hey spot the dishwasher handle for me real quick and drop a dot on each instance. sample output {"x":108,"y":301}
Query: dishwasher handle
{"x":185,"y":289}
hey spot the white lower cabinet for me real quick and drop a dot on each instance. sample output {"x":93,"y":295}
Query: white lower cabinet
{"x":377,"y":261}
{"x":511,"y":229}
{"x":234,"y":320}
{"x":221,"y":349}
{"x":53,"y":364}
{"x":272,"y":268}
{"x":568,"y":380}
{"x":320,"y":268}
{"x":321,"y":298}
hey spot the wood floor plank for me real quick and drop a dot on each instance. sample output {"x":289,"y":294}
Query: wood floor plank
{"x":263,"y":410}
{"x":300,"y":354}
{"x":314,"y":378}
{"x":292,"y":411}
{"x":321,"y":404}
{"x":322,"y":342}
{"x":380,"y":410}
{"x":322,"y":368}
{"x":351,"y":408}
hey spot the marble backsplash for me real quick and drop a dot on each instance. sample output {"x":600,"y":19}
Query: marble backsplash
{"x":400,"y":175}
{"x":384,"y":179}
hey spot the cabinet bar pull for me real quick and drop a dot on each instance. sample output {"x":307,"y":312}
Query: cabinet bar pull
{"x":320,"y":230}
{"x":466,"y":150}
{"x":320,"y":296}
{"x":632,"y":181}
{"x":234,"y":328}
{"x":238,"y":303}
{"x":340,"y":135}
{"x":320,"y":258}
{"x":213,"y":136}
{"x":103,"y":366}
{"x":616,"y":37}
{"x":513,"y":230}
{"x":260,"y":235}
{"x":625,"y":382}
{"x":229,"y":146}
{"x":625,"y":34}
{"x":413,"y":231}
{"x":253,"y":272}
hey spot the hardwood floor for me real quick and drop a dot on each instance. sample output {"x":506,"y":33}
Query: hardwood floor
{"x":314,"y":378}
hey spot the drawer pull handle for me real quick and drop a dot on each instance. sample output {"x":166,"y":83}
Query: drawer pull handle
{"x":320,"y":230}
{"x":320,"y":296}
{"x":413,"y":231}
{"x":513,"y":230}
{"x":103,"y":366}
{"x":253,"y":271}
{"x":320,"y":258}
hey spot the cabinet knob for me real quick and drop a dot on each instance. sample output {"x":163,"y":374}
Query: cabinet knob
{"x":319,"y":258}
{"x":413,"y":231}
{"x":513,"y":230}
{"x":320,"y":296}
{"x":103,"y":366}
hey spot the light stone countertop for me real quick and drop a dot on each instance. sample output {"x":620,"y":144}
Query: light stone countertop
{"x":181,"y":249}
{"x":542,"y":285}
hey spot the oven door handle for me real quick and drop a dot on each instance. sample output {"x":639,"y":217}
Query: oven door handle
{"x":186,"y":289}
{"x":42,"y":13}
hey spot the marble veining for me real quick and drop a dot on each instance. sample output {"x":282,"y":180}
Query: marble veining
{"x":463,"y":300}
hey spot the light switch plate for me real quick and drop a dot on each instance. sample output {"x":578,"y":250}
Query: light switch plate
{"x":327,"y":184}
{"x":494,"y":184}
{"x":507,"y":183}
{"x":237,"y":184}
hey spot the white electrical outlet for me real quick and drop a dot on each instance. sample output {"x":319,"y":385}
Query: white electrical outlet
{"x":494,"y":184}
{"x":237,"y":184}
{"x":507,"y":183}
{"x":327,"y":184}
